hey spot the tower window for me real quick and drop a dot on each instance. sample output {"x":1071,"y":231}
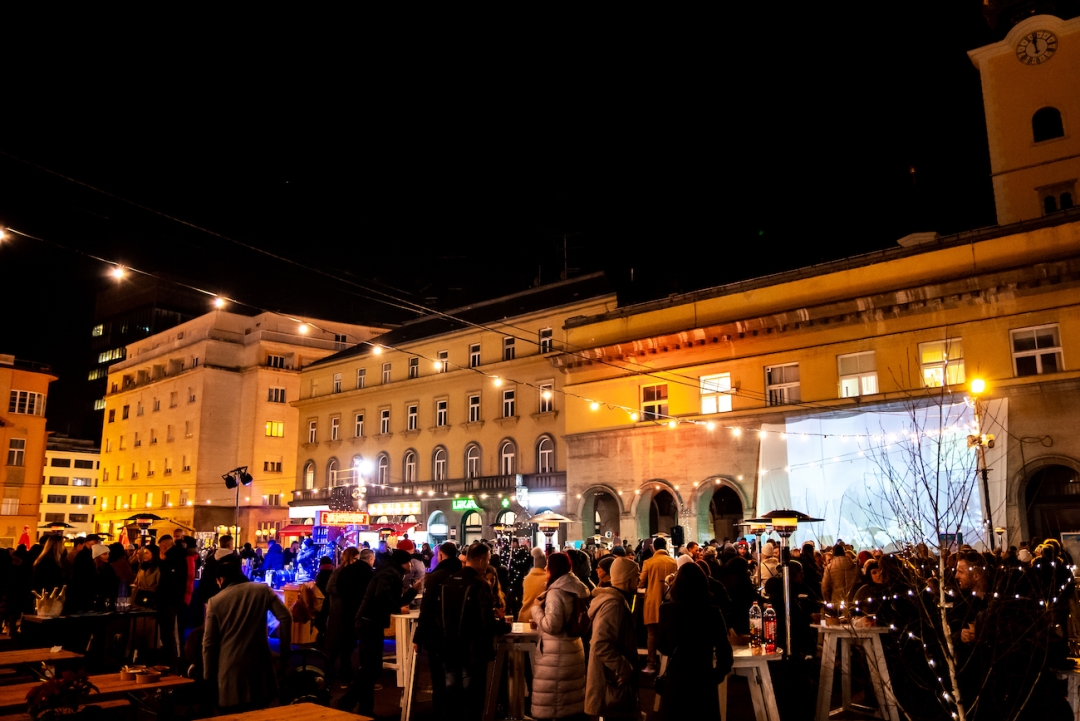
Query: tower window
{"x":1046,"y":124}
{"x":1049,"y":204}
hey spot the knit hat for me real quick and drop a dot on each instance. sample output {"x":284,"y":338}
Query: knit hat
{"x":768,"y":550}
{"x":683,"y":560}
{"x":539,"y":559}
{"x":1024,"y":555}
{"x":605,"y":563}
{"x":99,"y":549}
{"x":400,"y":558}
{"x":624,"y":574}
{"x":618,"y":551}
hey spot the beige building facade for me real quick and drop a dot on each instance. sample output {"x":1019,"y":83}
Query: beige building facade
{"x":70,"y":484}
{"x":200,"y":400}
{"x":24,"y":386}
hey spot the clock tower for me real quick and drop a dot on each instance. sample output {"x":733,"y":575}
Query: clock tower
{"x":1031,"y":92}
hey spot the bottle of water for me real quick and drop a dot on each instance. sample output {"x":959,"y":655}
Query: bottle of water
{"x":770,"y":628}
{"x":756,"y":629}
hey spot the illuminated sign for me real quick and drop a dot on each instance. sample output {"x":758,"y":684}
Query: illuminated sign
{"x":407,"y":508}
{"x":343,"y":518}
{"x":438,"y":529}
{"x":464,"y":504}
{"x":544,"y":499}
{"x":506,"y":503}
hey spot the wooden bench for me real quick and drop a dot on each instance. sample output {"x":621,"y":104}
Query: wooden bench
{"x":121,"y":707}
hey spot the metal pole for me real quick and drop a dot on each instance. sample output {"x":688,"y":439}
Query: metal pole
{"x":236,"y":516}
{"x":985,"y":473}
{"x":787,"y":599}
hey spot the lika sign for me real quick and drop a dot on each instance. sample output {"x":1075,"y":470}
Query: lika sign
{"x":343,"y":518}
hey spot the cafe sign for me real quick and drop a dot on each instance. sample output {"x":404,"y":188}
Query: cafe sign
{"x":341,"y":519}
{"x":464,"y":504}
{"x":406,"y":508}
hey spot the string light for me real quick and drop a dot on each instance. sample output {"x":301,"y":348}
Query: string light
{"x":219,"y":302}
{"x":594,"y":406}
{"x":117,"y":272}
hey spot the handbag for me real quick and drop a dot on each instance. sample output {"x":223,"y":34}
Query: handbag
{"x":144,"y":598}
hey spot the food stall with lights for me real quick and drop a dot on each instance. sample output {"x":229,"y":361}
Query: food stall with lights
{"x":390,"y":520}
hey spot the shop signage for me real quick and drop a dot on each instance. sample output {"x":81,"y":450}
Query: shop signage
{"x":343,"y":518}
{"x":464,"y":504}
{"x":438,"y":529}
{"x":407,"y":508}
{"x":506,"y":503}
{"x":453,"y":531}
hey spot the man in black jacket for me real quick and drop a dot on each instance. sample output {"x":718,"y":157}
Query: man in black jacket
{"x":428,"y":632}
{"x":345,"y":591}
{"x":382,"y":599}
{"x":170,"y":595}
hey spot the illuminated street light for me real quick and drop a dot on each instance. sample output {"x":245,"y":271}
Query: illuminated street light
{"x":118,"y":272}
{"x":219,"y":302}
{"x":978,"y":386}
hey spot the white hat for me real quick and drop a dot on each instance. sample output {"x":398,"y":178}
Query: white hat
{"x":99,"y":549}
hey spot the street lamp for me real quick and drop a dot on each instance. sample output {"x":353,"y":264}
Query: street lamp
{"x":784,"y":522}
{"x":982,"y":441}
{"x":233,"y":480}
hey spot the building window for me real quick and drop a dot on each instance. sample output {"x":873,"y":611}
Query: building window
{"x":337,"y":383}
{"x":546,"y":340}
{"x":439,"y":464}
{"x":58,"y":480}
{"x":442,"y":360}
{"x":440,"y":413}
{"x":60,"y":462}
{"x":312,"y":431}
{"x":139,"y":408}
{"x":276,"y":395}
{"x":385,"y":372}
{"x":169,"y":434}
{"x":184,"y":499}
{"x":507,"y":454}
{"x":361,"y":377}
{"x":409,"y":466}
{"x":112,"y":415}
{"x":858,"y":374}
{"x":309,"y":475}
{"x":274,"y":429}
{"x":547,"y":396}
{"x":331,"y":473}
{"x":414,"y":368}
{"x":1037,"y":350}
{"x":782,"y":385}
{"x":10,"y":507}
{"x":413,"y":417}
{"x":1046,"y":124}
{"x":384,"y":469}
{"x":185,"y":467}
{"x":51,"y":517}
{"x":474,"y":408}
{"x":188,"y":433}
{"x":173,"y":398}
{"x":99,"y":404}
{"x":508,"y":403}
{"x":273,"y":499}
{"x":125,"y":412}
{"x":474,"y":355}
{"x":166,"y":501}
{"x":190,"y":395}
{"x":87,"y":482}
{"x":272,"y":466}
{"x":715,"y":393}
{"x":81,"y":500}
{"x":134,"y":502}
{"x":942,"y":362}
{"x":157,"y":405}
{"x":384,"y":421}
{"x":55,"y":499}
{"x":472,"y":461}
{"x":97,"y":331}
{"x":545,"y":456}
{"x":16,"y":451}
{"x":508,"y":348}
{"x":654,"y":402}
{"x":80,"y":517}
{"x":138,"y":442}
{"x":275,"y":361}
{"x":335,"y":426}
{"x":359,"y":425}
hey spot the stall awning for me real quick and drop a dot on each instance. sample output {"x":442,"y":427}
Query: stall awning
{"x":295,"y":529}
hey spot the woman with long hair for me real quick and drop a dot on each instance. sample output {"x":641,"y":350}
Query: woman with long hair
{"x":144,"y":591}
{"x":559,"y":676}
{"x":691,"y":630}
{"x":51,"y":569}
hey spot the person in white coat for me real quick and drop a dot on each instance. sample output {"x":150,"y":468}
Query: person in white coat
{"x":559,"y":676}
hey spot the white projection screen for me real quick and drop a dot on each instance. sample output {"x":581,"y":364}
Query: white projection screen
{"x":860,"y":471}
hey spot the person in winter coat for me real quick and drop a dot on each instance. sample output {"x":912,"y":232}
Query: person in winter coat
{"x":118,"y":559}
{"x":274,"y":560}
{"x":653,"y":573}
{"x":51,"y":569}
{"x":691,"y":631}
{"x":208,"y":587}
{"x":171,"y":590}
{"x":345,"y":591}
{"x":610,"y":689}
{"x":735,"y":575}
{"x":559,"y":675}
{"x":533,"y":585}
{"x":770,"y":564}
{"x":428,"y":632}
{"x":838,"y":579}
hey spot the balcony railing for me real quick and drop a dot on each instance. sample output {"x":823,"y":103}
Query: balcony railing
{"x":441,"y":489}
{"x":493,"y":483}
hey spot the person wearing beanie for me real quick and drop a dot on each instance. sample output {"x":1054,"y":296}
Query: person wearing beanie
{"x":107,"y":584}
{"x":838,"y":579}
{"x":533,"y":585}
{"x":770,"y":564}
{"x":653,"y":574}
{"x":618,"y":551}
{"x":603,"y":572}
{"x":1024,"y":555}
{"x":610,"y":688}
{"x":382,"y":599}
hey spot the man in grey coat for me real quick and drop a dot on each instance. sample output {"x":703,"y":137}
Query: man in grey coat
{"x":236,"y":652}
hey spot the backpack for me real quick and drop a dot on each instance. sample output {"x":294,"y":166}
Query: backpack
{"x":579,"y":625}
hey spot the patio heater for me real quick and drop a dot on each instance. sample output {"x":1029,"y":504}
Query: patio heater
{"x":784,"y":522}
{"x":144,"y":521}
{"x":548,"y":522}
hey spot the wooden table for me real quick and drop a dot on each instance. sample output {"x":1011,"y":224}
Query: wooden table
{"x":404,"y":631}
{"x":296,"y":712}
{"x":756,"y":670}
{"x":34,"y":655}
{"x":13,"y":698}
{"x":869,"y":638}
{"x":511,"y":647}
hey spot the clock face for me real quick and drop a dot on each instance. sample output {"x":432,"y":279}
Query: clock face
{"x":1036,"y":47}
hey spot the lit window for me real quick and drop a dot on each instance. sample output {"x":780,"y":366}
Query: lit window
{"x":942,"y":362}
{"x":274,"y":429}
{"x":858,"y":374}
{"x":474,"y":355}
{"x":474,"y":408}
{"x":10,"y":507}
{"x":97,"y":331}
{"x":654,"y":403}
{"x":1037,"y":350}
{"x":782,"y":384}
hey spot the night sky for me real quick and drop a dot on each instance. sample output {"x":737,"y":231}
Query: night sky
{"x":446,"y":162}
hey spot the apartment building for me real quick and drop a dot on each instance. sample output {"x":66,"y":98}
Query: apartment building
{"x":25,"y":386}
{"x":187,"y":406}
{"x":452,"y":421}
{"x":70,"y":484}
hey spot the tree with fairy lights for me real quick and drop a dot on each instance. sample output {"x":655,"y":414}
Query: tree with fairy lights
{"x":974,"y":634}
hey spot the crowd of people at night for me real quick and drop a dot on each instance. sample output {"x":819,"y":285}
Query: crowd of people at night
{"x":1002,"y":618}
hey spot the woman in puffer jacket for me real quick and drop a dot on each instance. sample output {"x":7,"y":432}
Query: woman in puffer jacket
{"x":559,"y":676}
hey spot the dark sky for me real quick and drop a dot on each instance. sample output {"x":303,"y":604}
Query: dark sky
{"x":448,"y":160}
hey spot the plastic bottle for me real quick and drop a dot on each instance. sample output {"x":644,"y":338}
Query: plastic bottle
{"x":756,"y":627}
{"x":770,"y":628}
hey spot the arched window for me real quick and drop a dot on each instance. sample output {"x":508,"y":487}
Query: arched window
{"x":331,"y":473}
{"x":1049,"y":204}
{"x":545,"y":455}
{"x":506,"y":516}
{"x":438,"y":464}
{"x":309,"y":475}
{"x":1046,"y":124}
{"x":1066,"y":201}
{"x":384,"y":469}
{"x":357,"y":461}
{"x":410,"y":466}
{"x":507,"y":458}
{"x":472,"y":461}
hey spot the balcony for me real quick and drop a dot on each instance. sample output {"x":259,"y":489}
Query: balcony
{"x":482,"y":484}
